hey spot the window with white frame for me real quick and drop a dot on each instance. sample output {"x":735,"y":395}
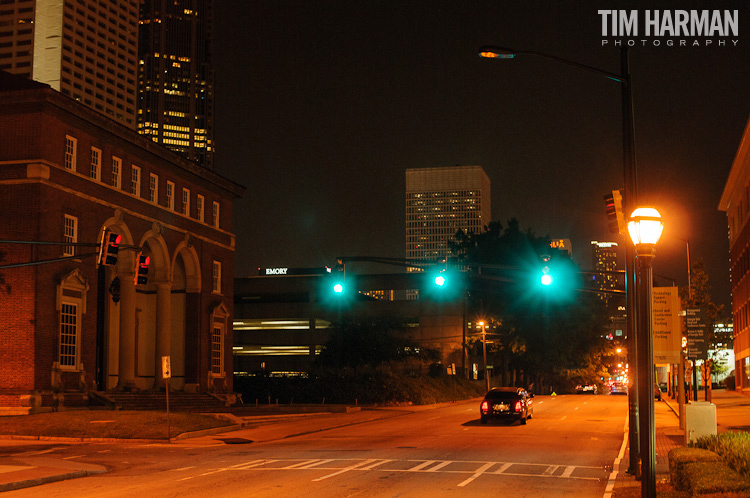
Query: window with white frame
{"x":116,"y":175}
{"x":135,"y":181}
{"x":186,"y":202}
{"x":215,"y":215}
{"x":69,"y":335}
{"x":96,"y":164}
{"x":153,"y":188}
{"x":70,"y":235}
{"x":219,"y":317}
{"x":199,"y":207}
{"x":217,"y":350}
{"x":170,"y":195}
{"x":71,"y":306}
{"x":70,"y":152}
{"x":216,"y":278}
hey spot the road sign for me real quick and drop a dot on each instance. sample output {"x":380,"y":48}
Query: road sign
{"x":697,"y":333}
{"x":166,"y":367}
{"x":666,"y":325}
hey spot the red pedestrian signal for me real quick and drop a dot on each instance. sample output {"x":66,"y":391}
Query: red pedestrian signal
{"x":109,"y":248}
{"x":141,"y":270}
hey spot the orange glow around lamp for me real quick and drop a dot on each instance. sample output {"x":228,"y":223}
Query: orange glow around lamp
{"x":645,"y":228}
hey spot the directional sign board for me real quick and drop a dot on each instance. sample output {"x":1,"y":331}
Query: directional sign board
{"x":166,"y":367}
{"x":666,"y":325}
{"x":697,"y":333}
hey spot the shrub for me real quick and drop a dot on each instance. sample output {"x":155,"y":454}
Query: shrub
{"x":729,"y":383}
{"x":713,"y":477}
{"x":682,"y":456}
{"x":733,"y":447}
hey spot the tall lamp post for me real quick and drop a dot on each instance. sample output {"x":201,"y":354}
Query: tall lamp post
{"x":645,"y":228}
{"x":484,"y":354}
{"x":630,"y":201}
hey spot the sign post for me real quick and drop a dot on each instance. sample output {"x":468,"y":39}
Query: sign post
{"x":166,"y":372}
{"x":695,"y":320}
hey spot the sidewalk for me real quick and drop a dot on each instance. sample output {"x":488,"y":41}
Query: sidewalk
{"x":732,"y":414}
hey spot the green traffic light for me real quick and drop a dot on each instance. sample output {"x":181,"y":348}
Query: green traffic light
{"x":338,"y":288}
{"x":546,"y":279}
{"x":440,"y":280}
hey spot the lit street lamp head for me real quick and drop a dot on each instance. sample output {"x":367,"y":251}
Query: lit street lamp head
{"x":645,"y":228}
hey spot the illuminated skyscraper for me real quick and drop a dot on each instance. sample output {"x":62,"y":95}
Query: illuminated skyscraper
{"x":441,"y":201}
{"x":605,"y":260}
{"x":84,"y":49}
{"x":176,"y":79}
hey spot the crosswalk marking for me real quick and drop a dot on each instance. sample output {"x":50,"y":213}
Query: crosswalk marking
{"x":477,"y":473}
{"x":480,"y":468}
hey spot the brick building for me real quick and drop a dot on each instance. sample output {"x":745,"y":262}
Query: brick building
{"x":68,"y":327}
{"x":735,"y":201}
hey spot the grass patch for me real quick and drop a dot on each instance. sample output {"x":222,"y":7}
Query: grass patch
{"x":106,"y":424}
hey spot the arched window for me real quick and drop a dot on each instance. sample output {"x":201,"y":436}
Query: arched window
{"x":71,"y":306}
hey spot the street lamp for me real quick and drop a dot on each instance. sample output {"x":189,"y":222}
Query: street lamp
{"x":484,"y":354}
{"x":645,"y":228}
{"x":630,"y":200}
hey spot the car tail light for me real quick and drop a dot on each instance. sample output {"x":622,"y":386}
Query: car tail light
{"x":519,"y":406}
{"x":485,"y":406}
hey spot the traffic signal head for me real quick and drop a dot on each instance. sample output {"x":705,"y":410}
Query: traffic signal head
{"x":440,"y":280}
{"x":615,"y":217}
{"x":546,"y":279}
{"x":141,"y":270}
{"x":109,"y":248}
{"x":338,"y":288}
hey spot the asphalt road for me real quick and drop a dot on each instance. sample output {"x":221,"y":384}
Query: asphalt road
{"x":566,"y":449}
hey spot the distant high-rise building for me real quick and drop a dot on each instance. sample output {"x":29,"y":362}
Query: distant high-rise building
{"x":441,"y":201}
{"x":85,"y":49}
{"x":176,"y":78}
{"x":605,"y":261}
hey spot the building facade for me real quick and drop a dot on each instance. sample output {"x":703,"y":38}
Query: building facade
{"x":604,"y":261}
{"x":70,"y":326}
{"x":85,"y":49}
{"x":440,"y":202}
{"x":176,"y":79}
{"x":283,"y":322}
{"x":735,"y":201}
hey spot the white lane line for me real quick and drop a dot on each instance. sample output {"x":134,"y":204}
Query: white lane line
{"x":576,"y":408}
{"x":421,"y":466}
{"x":346,"y":469}
{"x":568,"y":471}
{"x":302,"y":464}
{"x":550,"y":470}
{"x":613,"y":475}
{"x":313,"y":465}
{"x":440,"y":466}
{"x":72,"y":457}
{"x":248,"y":465}
{"x":376,"y":464}
{"x":503,"y":468}
{"x":478,"y":473}
{"x":433,"y":418}
{"x":564,"y":417}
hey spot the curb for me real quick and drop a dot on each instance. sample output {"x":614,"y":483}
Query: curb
{"x":11,"y":486}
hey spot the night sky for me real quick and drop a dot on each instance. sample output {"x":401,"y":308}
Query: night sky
{"x":322,"y":105}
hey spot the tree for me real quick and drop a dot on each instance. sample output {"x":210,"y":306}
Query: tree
{"x":698,"y":295}
{"x":552,"y":334}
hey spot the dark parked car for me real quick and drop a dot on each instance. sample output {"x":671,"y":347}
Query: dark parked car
{"x":506,"y":403}
{"x":657,"y":392}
